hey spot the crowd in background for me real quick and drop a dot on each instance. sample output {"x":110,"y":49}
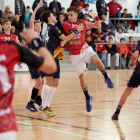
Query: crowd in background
{"x":110,"y":32}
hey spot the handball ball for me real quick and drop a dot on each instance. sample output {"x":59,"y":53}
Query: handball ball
{"x":92,"y":14}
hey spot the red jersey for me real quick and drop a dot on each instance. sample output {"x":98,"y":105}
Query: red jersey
{"x":11,"y":37}
{"x":78,"y":44}
{"x":100,"y":48}
{"x":113,"y":8}
{"x":10,"y":54}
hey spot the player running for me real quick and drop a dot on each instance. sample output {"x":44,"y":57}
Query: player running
{"x":81,"y":53}
{"x":134,"y":80}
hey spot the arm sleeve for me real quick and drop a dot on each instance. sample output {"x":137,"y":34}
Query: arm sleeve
{"x":57,"y":31}
{"x":89,"y":25}
{"x":120,"y":7}
{"x":138,"y":46}
{"x":29,"y":58}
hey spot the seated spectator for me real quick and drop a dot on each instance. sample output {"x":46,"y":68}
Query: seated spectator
{"x":75,"y":3}
{"x":101,"y":50}
{"x":64,"y":13}
{"x":54,"y":11}
{"x":124,"y":24}
{"x":56,"y":4}
{"x":27,"y":16}
{"x":112,"y":52}
{"x":86,"y":17}
{"x":17,"y":24}
{"x":80,"y":13}
{"x":114,"y":8}
{"x":97,"y":33}
{"x":123,"y":51}
{"x":41,"y":10}
{"x":110,"y":36}
{"x":131,"y":47}
{"x":88,"y":33}
{"x":7,"y":14}
{"x":119,"y":35}
{"x":20,"y":9}
{"x":86,"y":9}
{"x":13,"y":31}
{"x":60,"y":21}
{"x":101,"y":8}
{"x":89,"y":42}
{"x":107,"y":26}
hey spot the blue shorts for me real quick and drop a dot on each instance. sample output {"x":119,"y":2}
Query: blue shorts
{"x":35,"y":74}
{"x":57,"y":73}
{"x":134,"y":81}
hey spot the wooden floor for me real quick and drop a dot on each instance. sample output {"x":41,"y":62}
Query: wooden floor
{"x":72,"y":122}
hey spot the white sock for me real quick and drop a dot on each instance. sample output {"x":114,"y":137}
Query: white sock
{"x":52,"y":91}
{"x":45,"y":93}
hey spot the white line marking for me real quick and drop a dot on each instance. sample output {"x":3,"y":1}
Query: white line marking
{"x":58,"y":131}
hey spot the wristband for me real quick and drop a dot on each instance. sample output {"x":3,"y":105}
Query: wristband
{"x":76,"y":32}
{"x":97,"y":18}
{"x":37,"y":43}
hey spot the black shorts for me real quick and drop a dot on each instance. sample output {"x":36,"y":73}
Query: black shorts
{"x":134,"y":81}
{"x":57,"y":73}
{"x":35,"y":74}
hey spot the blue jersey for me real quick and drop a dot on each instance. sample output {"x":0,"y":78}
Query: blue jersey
{"x":137,"y":67}
{"x":53,"y":34}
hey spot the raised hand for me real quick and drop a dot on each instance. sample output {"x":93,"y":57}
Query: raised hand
{"x":39,"y":5}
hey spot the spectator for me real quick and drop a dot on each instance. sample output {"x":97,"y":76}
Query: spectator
{"x":88,"y":33}
{"x":107,"y":26}
{"x":138,"y":7}
{"x":1,"y":17}
{"x":86,"y":17}
{"x":131,"y":47}
{"x":64,"y":13}
{"x":97,"y":33}
{"x":20,"y":9}
{"x":76,"y":3}
{"x":112,"y":52}
{"x":56,"y":4}
{"x":27,"y":16}
{"x":61,"y":19}
{"x":110,"y":36}
{"x":54,"y":11}
{"x":41,"y":10}
{"x":89,"y":42}
{"x":7,"y":14}
{"x":123,"y":51}
{"x":101,"y":8}
{"x":80,"y":13}
{"x":119,"y":35}
{"x":17,"y":24}
{"x":101,"y":50}
{"x":114,"y":8}
{"x":124,"y":24}
{"x":86,"y":9}
{"x":13,"y":31}
{"x":1,"y":28}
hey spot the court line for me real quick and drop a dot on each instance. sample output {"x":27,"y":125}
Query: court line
{"x":74,"y":134}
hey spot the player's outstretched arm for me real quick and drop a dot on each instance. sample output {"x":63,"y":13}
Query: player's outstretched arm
{"x":46,"y":65}
{"x":33,"y":15}
{"x":73,"y":34}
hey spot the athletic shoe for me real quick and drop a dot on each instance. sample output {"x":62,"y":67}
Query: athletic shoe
{"x":109,"y":83}
{"x":88,"y":105}
{"x":38,"y":102}
{"x":31,"y":107}
{"x":47,"y":111}
{"x":115,"y":116}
